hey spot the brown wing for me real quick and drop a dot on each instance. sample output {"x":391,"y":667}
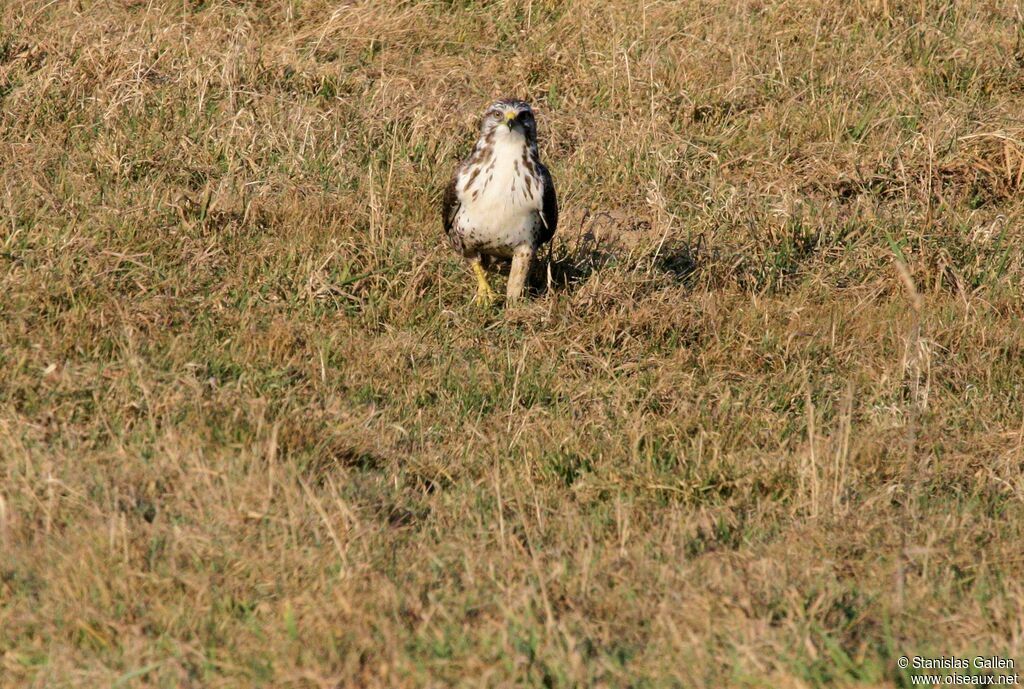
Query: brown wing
{"x":549,"y":210}
{"x":450,"y":206}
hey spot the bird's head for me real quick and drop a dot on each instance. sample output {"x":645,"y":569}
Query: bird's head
{"x":509,"y":119}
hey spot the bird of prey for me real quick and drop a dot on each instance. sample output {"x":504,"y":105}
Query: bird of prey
{"x":501,"y":200}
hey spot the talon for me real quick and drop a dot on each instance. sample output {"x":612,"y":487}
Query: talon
{"x":485,"y":296}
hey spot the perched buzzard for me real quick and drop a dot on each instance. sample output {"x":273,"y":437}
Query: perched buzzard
{"x":501,"y":200}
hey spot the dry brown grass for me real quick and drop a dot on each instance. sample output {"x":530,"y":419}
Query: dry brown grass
{"x":764,"y":428}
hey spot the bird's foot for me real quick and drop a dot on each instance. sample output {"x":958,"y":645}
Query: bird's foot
{"x":485,"y":296}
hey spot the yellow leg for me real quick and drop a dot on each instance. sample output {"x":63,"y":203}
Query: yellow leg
{"x":485,"y":296}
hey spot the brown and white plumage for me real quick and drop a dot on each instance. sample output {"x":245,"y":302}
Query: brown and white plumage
{"x":501,"y":200}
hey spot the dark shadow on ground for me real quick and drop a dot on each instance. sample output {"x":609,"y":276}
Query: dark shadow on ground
{"x":681,"y":259}
{"x":600,"y":239}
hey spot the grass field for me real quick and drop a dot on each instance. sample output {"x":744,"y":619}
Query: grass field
{"x":759,"y":424}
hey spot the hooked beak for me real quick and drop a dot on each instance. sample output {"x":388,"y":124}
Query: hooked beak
{"x":510,"y":118}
